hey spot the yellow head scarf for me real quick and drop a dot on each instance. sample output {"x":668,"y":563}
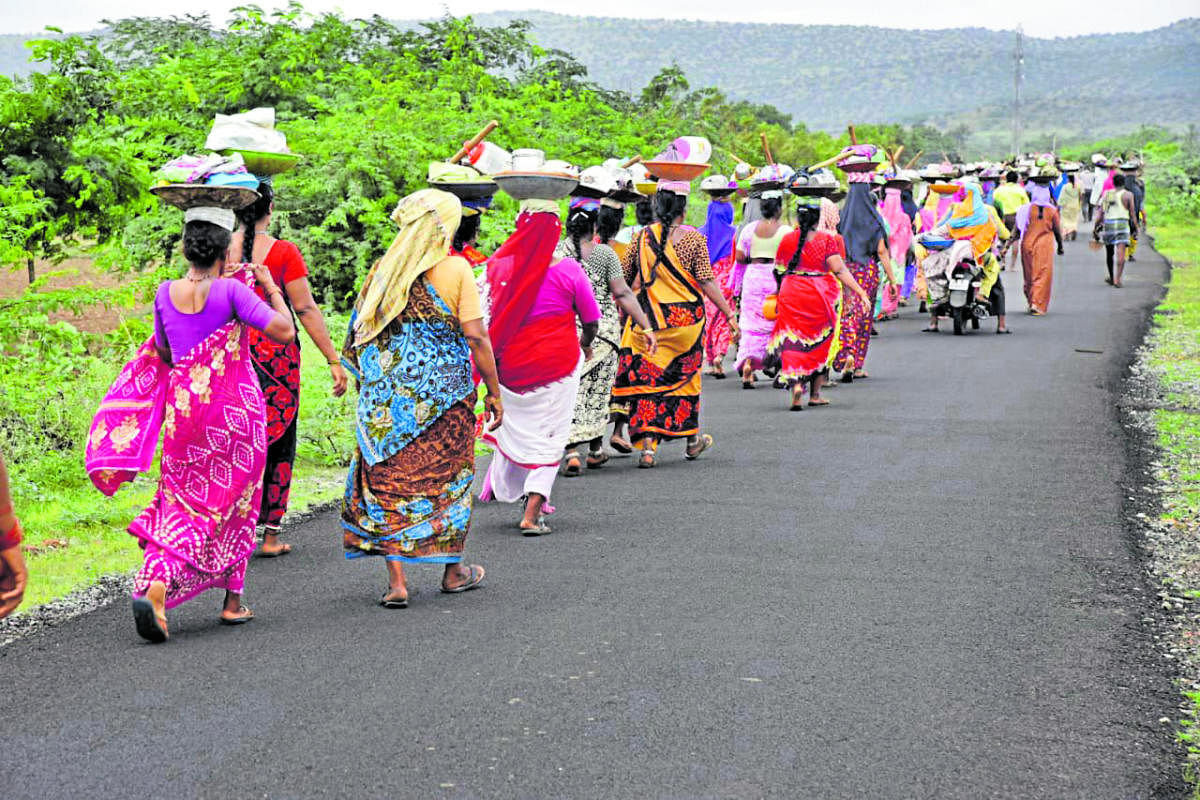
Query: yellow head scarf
{"x":428,"y":220}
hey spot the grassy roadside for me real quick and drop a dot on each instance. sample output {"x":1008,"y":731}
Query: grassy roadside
{"x":75,"y":535}
{"x":1173,"y":356}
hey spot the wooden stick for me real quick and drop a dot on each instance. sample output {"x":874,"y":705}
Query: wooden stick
{"x":896,"y":155}
{"x":913,"y":160}
{"x":826,"y":163}
{"x":473,"y":141}
{"x":853,"y":135}
{"x":631,"y":162}
{"x":766,"y":148}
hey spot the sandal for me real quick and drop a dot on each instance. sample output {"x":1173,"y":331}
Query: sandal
{"x":596,"y":459}
{"x":929,"y":329}
{"x":244,"y":615}
{"x":706,"y":441}
{"x":848,"y":376}
{"x":150,"y":625}
{"x":473,"y":581}
{"x":540,"y":528}
{"x":646,"y":460}
{"x":572,"y":467}
{"x":388,"y":601}
{"x":820,"y":401}
{"x":719,"y":375}
{"x":620,"y":445}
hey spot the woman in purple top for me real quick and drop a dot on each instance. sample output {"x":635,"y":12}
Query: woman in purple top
{"x":194,"y":382}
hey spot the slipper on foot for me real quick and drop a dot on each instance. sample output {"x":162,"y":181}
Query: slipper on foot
{"x":149,"y":624}
{"x":473,"y":581}
{"x":244,"y":616}
{"x":388,"y":601}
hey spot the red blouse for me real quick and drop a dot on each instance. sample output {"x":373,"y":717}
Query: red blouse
{"x":285,"y":263}
{"x":816,"y":252}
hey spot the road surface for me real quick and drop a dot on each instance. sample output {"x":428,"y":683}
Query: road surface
{"x":925,"y":590}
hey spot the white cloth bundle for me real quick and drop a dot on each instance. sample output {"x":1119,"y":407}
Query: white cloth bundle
{"x":250,"y":130}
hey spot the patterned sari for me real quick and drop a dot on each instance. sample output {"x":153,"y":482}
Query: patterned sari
{"x":278,"y":369}
{"x":408,"y":493}
{"x":198,"y":531}
{"x":661,"y":392}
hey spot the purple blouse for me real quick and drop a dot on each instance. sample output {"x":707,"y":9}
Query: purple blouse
{"x":227,"y":299}
{"x":566,"y":288}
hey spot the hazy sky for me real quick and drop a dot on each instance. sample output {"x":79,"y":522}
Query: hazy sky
{"x":1045,"y":18}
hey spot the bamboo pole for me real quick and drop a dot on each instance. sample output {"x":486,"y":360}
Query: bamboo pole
{"x":913,"y":160}
{"x":766,"y":148}
{"x":853,"y":135}
{"x":631,"y":162}
{"x":473,"y":141}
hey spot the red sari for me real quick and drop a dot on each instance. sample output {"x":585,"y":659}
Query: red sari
{"x":807,"y":309}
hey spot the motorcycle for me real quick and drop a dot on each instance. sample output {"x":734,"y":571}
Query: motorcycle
{"x":953,"y":280}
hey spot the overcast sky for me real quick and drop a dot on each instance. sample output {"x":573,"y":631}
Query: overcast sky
{"x":1046,"y":18}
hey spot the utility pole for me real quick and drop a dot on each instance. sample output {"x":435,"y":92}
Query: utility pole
{"x":1018,"y":75}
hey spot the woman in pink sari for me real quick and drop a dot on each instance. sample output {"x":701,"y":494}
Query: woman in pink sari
{"x":195,"y":382}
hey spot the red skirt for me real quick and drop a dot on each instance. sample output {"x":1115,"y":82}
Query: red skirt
{"x":805,"y":324}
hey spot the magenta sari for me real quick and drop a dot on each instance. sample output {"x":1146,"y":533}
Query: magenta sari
{"x":198,"y":531}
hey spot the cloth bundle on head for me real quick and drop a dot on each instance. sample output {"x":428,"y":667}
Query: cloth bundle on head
{"x":683,"y":188}
{"x":861,"y":226}
{"x":718,"y":230}
{"x":428,"y":220}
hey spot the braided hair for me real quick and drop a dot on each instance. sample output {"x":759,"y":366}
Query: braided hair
{"x":581,"y":224}
{"x":250,"y":216}
{"x":807,"y":219}
{"x":668,"y":207}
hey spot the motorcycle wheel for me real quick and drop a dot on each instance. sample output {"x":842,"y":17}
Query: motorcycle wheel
{"x":959,"y":315}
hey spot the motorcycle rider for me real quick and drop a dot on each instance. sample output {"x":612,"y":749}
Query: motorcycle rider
{"x":971,"y":219}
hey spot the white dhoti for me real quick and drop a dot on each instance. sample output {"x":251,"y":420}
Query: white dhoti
{"x":529,"y":444}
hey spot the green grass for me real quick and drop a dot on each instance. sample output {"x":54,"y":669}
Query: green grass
{"x":75,"y":535}
{"x":1175,"y":357}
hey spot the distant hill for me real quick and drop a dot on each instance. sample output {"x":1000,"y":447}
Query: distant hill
{"x":1078,"y":88}
{"x":825,"y":75}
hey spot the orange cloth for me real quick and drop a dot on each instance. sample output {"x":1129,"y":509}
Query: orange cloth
{"x":1038,"y":246}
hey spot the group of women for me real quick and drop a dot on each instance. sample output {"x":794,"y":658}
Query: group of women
{"x":575,"y":324}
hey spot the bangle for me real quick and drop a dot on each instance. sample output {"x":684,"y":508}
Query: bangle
{"x":334,"y":363}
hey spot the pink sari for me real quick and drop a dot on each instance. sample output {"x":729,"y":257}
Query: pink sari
{"x":198,"y":531}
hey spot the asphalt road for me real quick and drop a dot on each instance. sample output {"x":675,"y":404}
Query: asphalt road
{"x":925,"y":590}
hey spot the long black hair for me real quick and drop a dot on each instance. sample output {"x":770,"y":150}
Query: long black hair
{"x":609,"y":222}
{"x":468,"y":229}
{"x":581,"y":224}
{"x":250,"y":216}
{"x":807,"y":218}
{"x":204,"y":243}
{"x":668,"y":207}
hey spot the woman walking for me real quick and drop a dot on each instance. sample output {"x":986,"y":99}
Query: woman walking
{"x":536,"y":297}
{"x":408,"y":494}
{"x":1115,"y":225}
{"x":865,"y":234}
{"x":807,"y":309}
{"x":1069,"y":207}
{"x":599,"y":372}
{"x":278,"y":366}
{"x":1041,"y":237}
{"x":669,"y":268}
{"x":718,"y":231}
{"x":194,"y":381}
{"x":754,"y":280}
